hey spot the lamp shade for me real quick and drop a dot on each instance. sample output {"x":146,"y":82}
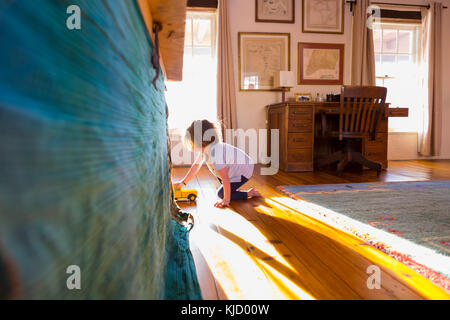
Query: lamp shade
{"x":284,"y":79}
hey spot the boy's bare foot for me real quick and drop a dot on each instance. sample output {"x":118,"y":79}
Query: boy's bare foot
{"x":253,"y":193}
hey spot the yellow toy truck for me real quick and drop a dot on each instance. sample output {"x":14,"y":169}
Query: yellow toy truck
{"x":190,"y":194}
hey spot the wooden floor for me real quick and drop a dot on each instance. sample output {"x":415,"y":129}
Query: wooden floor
{"x":263,"y":249}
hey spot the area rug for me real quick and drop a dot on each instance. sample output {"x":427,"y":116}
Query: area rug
{"x":409,"y":221}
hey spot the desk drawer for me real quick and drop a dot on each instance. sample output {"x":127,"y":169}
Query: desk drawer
{"x":300,"y":113}
{"x":382,"y":125}
{"x":377,"y":154}
{"x":300,"y":125}
{"x":376,"y":150}
{"x":300,"y":140}
{"x":380,"y":141}
{"x":300,"y":155}
{"x":397,"y":112}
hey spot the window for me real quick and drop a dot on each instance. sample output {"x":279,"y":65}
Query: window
{"x":195,"y":96}
{"x":397,"y":64}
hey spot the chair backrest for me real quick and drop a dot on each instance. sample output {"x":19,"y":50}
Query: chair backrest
{"x":360,"y":110}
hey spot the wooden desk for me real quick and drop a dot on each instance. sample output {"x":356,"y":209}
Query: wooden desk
{"x":300,"y":139}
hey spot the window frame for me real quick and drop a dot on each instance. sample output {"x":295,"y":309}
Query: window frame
{"x":415,"y":56}
{"x":212,"y":16}
{"x":416,"y":51}
{"x":189,"y":51}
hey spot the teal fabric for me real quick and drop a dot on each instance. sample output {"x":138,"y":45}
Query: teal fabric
{"x":84,"y":172}
{"x":183,"y":283}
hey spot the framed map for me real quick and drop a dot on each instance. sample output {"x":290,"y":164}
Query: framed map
{"x":280,"y":11}
{"x":323,"y":16}
{"x":261,"y":56}
{"x":321,"y":63}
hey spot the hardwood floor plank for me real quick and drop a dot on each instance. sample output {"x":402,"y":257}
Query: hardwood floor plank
{"x":266,"y":248}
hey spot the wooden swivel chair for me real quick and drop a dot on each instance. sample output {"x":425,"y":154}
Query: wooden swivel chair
{"x":361,"y":107}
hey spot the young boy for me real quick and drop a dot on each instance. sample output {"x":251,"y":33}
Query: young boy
{"x":232,"y":166}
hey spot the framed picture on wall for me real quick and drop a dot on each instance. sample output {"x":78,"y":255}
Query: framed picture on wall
{"x":261,"y":56}
{"x":323,"y":16}
{"x":278,"y":11}
{"x":321,"y":63}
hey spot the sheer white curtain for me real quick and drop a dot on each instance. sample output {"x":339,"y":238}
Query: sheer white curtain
{"x":195,"y":97}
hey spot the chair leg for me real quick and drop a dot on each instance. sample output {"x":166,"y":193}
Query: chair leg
{"x":359,"y":158}
{"x":335,"y":157}
{"x":341,"y":165}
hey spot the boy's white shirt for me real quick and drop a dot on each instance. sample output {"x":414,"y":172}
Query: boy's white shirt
{"x":223,"y":155}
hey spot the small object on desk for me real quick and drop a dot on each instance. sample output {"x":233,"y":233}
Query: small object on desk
{"x":330,"y":97}
{"x":284,"y":80}
{"x":320,"y":98}
{"x":303,"y":97}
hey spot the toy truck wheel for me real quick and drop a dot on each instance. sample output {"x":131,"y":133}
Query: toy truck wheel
{"x":192,"y":197}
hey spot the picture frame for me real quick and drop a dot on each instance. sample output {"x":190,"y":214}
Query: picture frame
{"x":303,"y":97}
{"x":323,"y":16}
{"x":275,"y":11}
{"x":321,"y":63}
{"x":261,"y":55}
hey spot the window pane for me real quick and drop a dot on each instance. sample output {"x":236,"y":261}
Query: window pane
{"x":188,"y":33}
{"x":198,"y":51}
{"x":195,"y":96}
{"x":405,"y":42}
{"x":389,"y":64}
{"x":388,"y":58}
{"x":378,"y":66}
{"x":397,"y":68}
{"x":188,"y":50}
{"x":389,"y":41}
{"x":377,"y":40}
{"x":404,"y":58}
{"x":378,"y":58}
{"x":202,"y":32}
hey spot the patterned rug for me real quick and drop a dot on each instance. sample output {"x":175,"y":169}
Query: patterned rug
{"x":409,"y":221}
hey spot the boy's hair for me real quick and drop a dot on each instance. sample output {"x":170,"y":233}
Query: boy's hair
{"x":201,"y":133}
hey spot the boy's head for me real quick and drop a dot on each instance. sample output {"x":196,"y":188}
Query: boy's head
{"x":200,"y":134}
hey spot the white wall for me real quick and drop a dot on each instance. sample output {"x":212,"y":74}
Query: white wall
{"x":251,"y":105}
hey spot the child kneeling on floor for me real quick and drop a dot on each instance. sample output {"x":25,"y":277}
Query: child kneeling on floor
{"x":232,"y":166}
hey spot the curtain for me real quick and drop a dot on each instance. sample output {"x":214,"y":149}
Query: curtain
{"x":226,"y":99}
{"x":363,"y":55}
{"x":430,"y":135}
{"x":198,"y":88}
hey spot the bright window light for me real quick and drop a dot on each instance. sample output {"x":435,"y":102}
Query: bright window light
{"x":195,"y":97}
{"x":397,"y":64}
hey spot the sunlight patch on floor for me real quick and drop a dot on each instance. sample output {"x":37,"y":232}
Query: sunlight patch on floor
{"x":236,"y":253}
{"x":235,"y":269}
{"x":289,"y":287}
{"x":305,"y":213}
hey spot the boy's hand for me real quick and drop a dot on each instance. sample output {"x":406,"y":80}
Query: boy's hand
{"x":178,"y":185}
{"x":222,"y":204}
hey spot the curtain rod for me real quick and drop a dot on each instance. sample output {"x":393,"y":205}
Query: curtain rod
{"x":352,"y":2}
